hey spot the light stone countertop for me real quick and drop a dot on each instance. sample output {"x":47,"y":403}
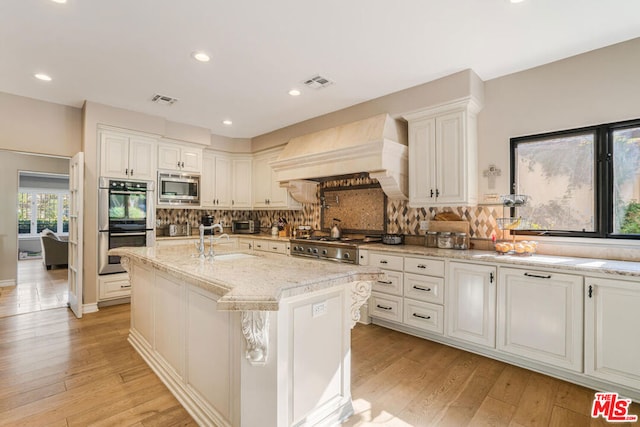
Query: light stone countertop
{"x":249,"y":280}
{"x":581,"y":265}
{"x":261,"y":236}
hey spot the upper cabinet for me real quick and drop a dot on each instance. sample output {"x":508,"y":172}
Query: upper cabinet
{"x":443,"y":155}
{"x":215,"y":181}
{"x":267,"y":192}
{"x":178,"y":157}
{"x":127,"y":156}
{"x":241,"y":179}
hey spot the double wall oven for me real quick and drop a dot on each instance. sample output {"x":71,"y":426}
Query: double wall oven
{"x":126,"y":217}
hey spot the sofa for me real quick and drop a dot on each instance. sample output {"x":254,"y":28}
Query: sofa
{"x":55,"y":249}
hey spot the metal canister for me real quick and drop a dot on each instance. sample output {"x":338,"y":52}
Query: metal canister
{"x":431,"y":240}
{"x":445,"y":241}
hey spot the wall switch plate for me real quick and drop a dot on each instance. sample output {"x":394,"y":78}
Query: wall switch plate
{"x":424,"y":225}
{"x":318,"y":309}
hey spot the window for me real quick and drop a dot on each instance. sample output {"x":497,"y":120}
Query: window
{"x":581,"y":182}
{"x":38,"y":210}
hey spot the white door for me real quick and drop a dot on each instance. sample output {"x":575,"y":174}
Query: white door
{"x":262,"y":186}
{"x":223,"y":181}
{"x":76,"y":203}
{"x":450,"y":159}
{"x":422,"y":152}
{"x":241,"y":183}
{"x":114,"y":155}
{"x":471,"y":303}
{"x":142,"y":158}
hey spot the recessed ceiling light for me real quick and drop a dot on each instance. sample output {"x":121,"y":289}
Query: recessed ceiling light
{"x":201,"y":56}
{"x":43,"y":77}
{"x":294,"y":92}
{"x":59,"y":1}
{"x":516,"y":1}
{"x":227,"y":122}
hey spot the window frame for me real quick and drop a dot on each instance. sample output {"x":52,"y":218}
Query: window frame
{"x":34,"y":226}
{"x":603,"y":178}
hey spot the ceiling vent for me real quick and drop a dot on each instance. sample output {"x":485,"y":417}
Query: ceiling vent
{"x":163,"y":99}
{"x":317,"y":82}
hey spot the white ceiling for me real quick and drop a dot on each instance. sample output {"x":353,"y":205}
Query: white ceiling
{"x":121,"y":52}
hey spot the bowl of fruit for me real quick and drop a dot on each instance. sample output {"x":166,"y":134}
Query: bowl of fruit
{"x":524,"y":248}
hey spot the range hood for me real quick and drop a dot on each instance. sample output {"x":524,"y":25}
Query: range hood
{"x":377,"y":145}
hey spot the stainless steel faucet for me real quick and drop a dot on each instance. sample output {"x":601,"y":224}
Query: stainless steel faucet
{"x":200,"y":244}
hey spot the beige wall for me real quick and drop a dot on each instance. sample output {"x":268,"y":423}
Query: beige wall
{"x":33,"y":126}
{"x":455,"y":86}
{"x":10,"y":164}
{"x":596,"y":87}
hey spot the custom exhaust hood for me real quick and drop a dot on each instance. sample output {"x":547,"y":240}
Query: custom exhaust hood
{"x":377,"y":145}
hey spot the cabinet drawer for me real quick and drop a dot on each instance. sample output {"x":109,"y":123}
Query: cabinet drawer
{"x":391,"y":283}
{"x":388,"y":262}
{"x":267,"y":246}
{"x":424,"y":288}
{"x":424,"y":315}
{"x":114,"y":287}
{"x":385,"y":307}
{"x":431,"y":267}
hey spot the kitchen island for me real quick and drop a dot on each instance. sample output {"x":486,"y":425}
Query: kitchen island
{"x":248,"y":338}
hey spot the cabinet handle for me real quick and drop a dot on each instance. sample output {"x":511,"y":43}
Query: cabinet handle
{"x":420,"y":288}
{"x":437,"y":192}
{"x":275,"y":248}
{"x":258,"y":246}
{"x":432,"y":192}
{"x":538,"y":276}
{"x":385,"y":282}
{"x":131,"y":172}
{"x":384,"y":307}
{"x":232,"y":202}
{"x":182,"y":164}
{"x":491,"y":277}
{"x":125,"y":286}
{"x":590,"y":291}
{"x":178,"y":164}
{"x":420,"y":316}
{"x":382,"y":261}
{"x":126,"y":172}
{"x":422,"y":266}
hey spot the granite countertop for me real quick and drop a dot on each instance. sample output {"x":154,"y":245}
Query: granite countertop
{"x":248,"y":280}
{"x":582,"y":265}
{"x":261,"y":236}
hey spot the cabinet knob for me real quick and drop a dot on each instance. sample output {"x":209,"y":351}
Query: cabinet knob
{"x":432,"y":192}
{"x":178,"y":164}
{"x":126,"y":171}
{"x":131,"y":172}
{"x":182,"y":164}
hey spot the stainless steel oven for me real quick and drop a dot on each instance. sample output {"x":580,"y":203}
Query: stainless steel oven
{"x":126,"y":217}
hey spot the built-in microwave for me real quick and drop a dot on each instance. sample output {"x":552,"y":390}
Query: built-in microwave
{"x":178,"y":188}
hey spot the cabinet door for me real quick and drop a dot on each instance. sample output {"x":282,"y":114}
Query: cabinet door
{"x":114,"y":155}
{"x":142,"y":158}
{"x":222,"y":182}
{"x":191,"y":159}
{"x":391,"y":283}
{"x":207,"y":181}
{"x":450,"y":166}
{"x":540,"y":316}
{"x":422,"y":157}
{"x":241,"y":183}
{"x":169,"y":157}
{"x":262,"y":182}
{"x":612,"y":350}
{"x":471,"y":303}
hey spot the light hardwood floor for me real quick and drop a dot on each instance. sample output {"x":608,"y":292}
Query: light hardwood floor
{"x":56,"y":370}
{"x":37,"y":289}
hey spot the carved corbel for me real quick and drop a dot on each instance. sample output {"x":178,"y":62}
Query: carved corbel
{"x":360,"y":293}
{"x":255,"y":328}
{"x":125,"y":262}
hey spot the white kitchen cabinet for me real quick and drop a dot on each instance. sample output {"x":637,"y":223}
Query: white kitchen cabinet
{"x":385,"y":306}
{"x":245,"y":244}
{"x":242,"y":178}
{"x":424,"y":288}
{"x":127,"y":156}
{"x":443,"y":155}
{"x":216,"y":181}
{"x":267,"y":193}
{"x":423,"y":315}
{"x":113,"y":286}
{"x":277,"y":247}
{"x":612,"y":316}
{"x":178,"y":157}
{"x":391,"y":283}
{"x":539,"y":316}
{"x":471,"y":303}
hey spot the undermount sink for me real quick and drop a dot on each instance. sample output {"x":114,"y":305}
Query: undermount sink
{"x":228,"y":257}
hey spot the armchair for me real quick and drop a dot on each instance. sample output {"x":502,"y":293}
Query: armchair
{"x":55,"y":249}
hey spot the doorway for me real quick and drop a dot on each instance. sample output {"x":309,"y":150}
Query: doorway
{"x":34,"y":188}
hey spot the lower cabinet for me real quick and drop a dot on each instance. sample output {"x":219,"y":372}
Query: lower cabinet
{"x":271,"y":246}
{"x":113,"y":286}
{"x":540,"y":316}
{"x":385,"y":306}
{"x":471,"y":303}
{"x":612,"y":317}
{"x":423,"y":315}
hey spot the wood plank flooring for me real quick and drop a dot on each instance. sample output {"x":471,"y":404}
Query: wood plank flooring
{"x":56,"y":370}
{"x":37,"y":289}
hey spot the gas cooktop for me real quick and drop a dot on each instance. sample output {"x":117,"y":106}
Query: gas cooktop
{"x":344,"y":249}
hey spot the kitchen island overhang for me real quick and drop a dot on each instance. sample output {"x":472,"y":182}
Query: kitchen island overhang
{"x":248,"y":338}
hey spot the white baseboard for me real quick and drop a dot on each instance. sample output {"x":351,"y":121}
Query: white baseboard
{"x":6,"y":283}
{"x":90,"y":308}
